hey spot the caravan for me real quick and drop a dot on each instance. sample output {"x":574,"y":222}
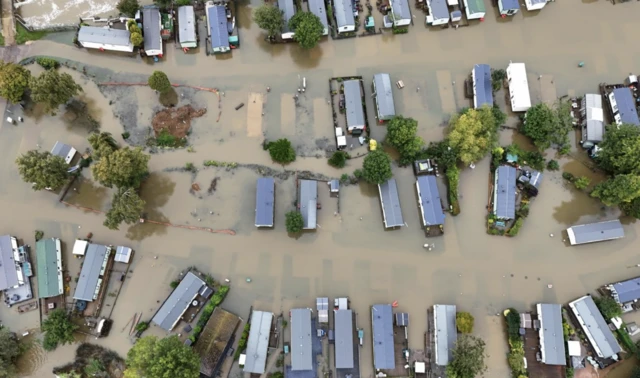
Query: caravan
{"x":518,"y":87}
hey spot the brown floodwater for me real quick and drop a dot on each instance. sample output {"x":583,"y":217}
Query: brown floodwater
{"x":350,"y":253}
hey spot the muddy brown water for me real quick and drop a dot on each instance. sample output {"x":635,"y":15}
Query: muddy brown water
{"x":350,"y":253}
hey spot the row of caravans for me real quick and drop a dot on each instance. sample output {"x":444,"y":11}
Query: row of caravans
{"x":441,"y":12}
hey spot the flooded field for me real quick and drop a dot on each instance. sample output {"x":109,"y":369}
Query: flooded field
{"x":350,"y":254}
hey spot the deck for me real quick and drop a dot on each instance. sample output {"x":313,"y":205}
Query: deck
{"x":535,"y":368}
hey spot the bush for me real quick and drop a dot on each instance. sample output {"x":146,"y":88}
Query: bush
{"x":126,"y":135}
{"x":128,"y":7}
{"x":582,"y":182}
{"x":553,"y":165}
{"x":568,"y":176}
{"x":344,"y":178}
{"x":338,"y":159}
{"x":569,"y":372}
{"x":608,"y":307}
{"x":158,"y":81}
{"x":453,"y":176}
{"x":136,"y":38}
{"x":513,"y":231}
{"x":242,"y":343}
{"x":464,"y":322}
{"x":400,"y":30}
{"x":48,"y":63}
{"x":142,"y":326}
{"x":174,"y":284}
{"x":513,"y":324}
{"x":497,"y":79}
{"x":358,"y":174}
{"x":164,"y":139}
{"x":189,"y":167}
{"x":626,"y":342}
{"x":294,"y":222}
{"x":183,"y":2}
{"x":281,"y":151}
{"x":516,"y":363}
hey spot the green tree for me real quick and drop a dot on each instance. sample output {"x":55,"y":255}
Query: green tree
{"x":58,"y":329}
{"x":442,"y":152}
{"x":183,"y":2}
{"x":582,"y":182}
{"x":636,"y":372}
{"x":14,"y":80}
{"x":128,"y":7}
{"x":553,"y":165}
{"x":53,"y":89}
{"x":401,"y":135}
{"x":497,"y":79}
{"x":546,"y":125}
{"x":9,"y":352}
{"x":94,"y":368}
{"x":338,"y":159}
{"x":102,"y":144}
{"x":123,"y":168}
{"x":468,"y":358}
{"x":270,"y":19}
{"x":620,"y":150}
{"x":126,"y":206}
{"x":308,"y":29}
{"x":464,"y":322}
{"x":151,"y":357}
{"x":632,"y":208}
{"x":136,"y":39}
{"x":376,"y":167}
{"x":608,"y":307}
{"x":293,"y":221}
{"x":617,"y":190}
{"x":473,"y":134}
{"x":158,"y":81}
{"x":47,"y":63}
{"x":281,"y":151}
{"x":43,"y":170}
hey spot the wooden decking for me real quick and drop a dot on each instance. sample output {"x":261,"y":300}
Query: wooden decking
{"x":535,"y":368}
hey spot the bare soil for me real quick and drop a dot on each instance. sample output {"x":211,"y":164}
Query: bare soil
{"x":177,"y":121}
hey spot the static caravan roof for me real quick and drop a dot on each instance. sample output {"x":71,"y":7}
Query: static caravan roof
{"x":107,"y":36}
{"x":382,"y":324}
{"x":595,"y":232}
{"x":595,"y":327}
{"x":258,"y":342}
{"x":626,"y":106}
{"x":308,"y":203}
{"x":65,"y":151}
{"x":594,"y":119}
{"x":353,"y":104}
{"x":482,"y":87}
{"x":510,"y":4}
{"x":384,"y":96}
{"x":429,"y":201}
{"x":151,"y":29}
{"x":439,"y":9}
{"x":400,"y":9}
{"x":92,"y":270}
{"x":444,"y":318}
{"x":518,"y":86}
{"x":504,"y":205}
{"x":8,"y":272}
{"x":317,"y":7}
{"x":322,"y":305}
{"x":551,"y":334}
{"x":301,"y":357}
{"x":288,"y":11}
{"x":49,"y":267}
{"x":343,"y":320}
{"x":218,"y":31}
{"x":626,"y":291}
{"x":476,"y":6}
{"x":390,"y":201}
{"x":344,"y":13}
{"x":123,"y":254}
{"x":178,"y":301}
{"x":187,"y":24}
{"x":265,"y":199}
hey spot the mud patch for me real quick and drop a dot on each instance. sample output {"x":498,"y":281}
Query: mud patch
{"x":176,"y":122}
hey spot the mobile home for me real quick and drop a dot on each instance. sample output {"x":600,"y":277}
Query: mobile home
{"x":390,"y":202}
{"x":623,"y":108}
{"x":152,"y":26}
{"x":508,"y":7}
{"x":438,"y":12}
{"x":217,"y":26}
{"x":353,"y":105}
{"x":518,"y":87}
{"x":482,"y":87}
{"x":595,"y":232}
{"x":288,"y":11}
{"x":383,"y":95}
{"x":474,"y":9}
{"x":345,"y":20}
{"x":535,"y":4}
{"x":187,"y":28}
{"x":592,"y":124}
{"x":401,"y":13}
{"x":92,"y":37}
{"x":317,"y":7}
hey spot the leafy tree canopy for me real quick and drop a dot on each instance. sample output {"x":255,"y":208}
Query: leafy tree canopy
{"x":151,"y":357}
{"x":401,"y":135}
{"x":14,"y":80}
{"x":442,"y":152}
{"x":294,"y":221}
{"x":608,"y":307}
{"x":376,"y":167}
{"x":308,"y":29}
{"x":53,"y":89}
{"x":58,"y":329}
{"x":281,"y":151}
{"x":128,"y":7}
{"x":546,"y":125}
{"x":136,"y":38}
{"x":158,"y":81}
{"x":43,"y":170}
{"x":127,"y":206}
{"x":270,"y":19}
{"x":338,"y":159}
{"x":123,"y":168}
{"x":102,"y":144}
{"x":9,"y":352}
{"x":620,"y":150}
{"x":468,"y":358}
{"x":464,"y":322}
{"x":631,"y":208}
{"x":617,"y":190}
{"x":473,"y":133}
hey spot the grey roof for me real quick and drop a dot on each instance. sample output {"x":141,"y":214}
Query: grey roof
{"x":429,"y":201}
{"x":123,"y":254}
{"x":334,"y":185}
{"x":594,"y":122}
{"x":258,"y":342}
{"x":343,"y":320}
{"x":384,"y":96}
{"x":61,"y":149}
{"x":288,"y":11}
{"x":391,"y":211}
{"x":538,"y":1}
{"x":482,"y":84}
{"x":504,"y":205}
{"x":353,"y":104}
{"x":440,"y":9}
{"x":178,"y":301}
{"x":595,"y":327}
{"x":8,"y":273}
{"x":475,"y":6}
{"x":626,"y":291}
{"x":344,"y":13}
{"x":91,"y":272}
{"x":626,"y":106}
{"x":218,"y":32}
{"x":401,"y":9}
{"x":595,"y":232}
{"x":382,"y":324}
{"x":402,"y":319}
{"x":531,"y":176}
{"x":301,"y":357}
{"x":551,"y":334}
{"x":322,"y":303}
{"x":446,"y":333}
{"x":308,"y":203}
{"x":95,"y":34}
{"x":48,"y":268}
{"x":151,"y":29}
{"x":317,"y":7}
{"x":187,"y":24}
{"x":510,"y":4}
{"x":265,"y":199}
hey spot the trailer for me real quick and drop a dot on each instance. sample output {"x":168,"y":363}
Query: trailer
{"x":508,"y":7}
{"x":535,"y":4}
{"x":474,"y":9}
{"x":438,"y":12}
{"x":518,"y":87}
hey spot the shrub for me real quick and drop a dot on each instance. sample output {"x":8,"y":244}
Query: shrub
{"x":582,"y":182}
{"x":358,"y":174}
{"x":497,"y":78}
{"x":344,"y":178}
{"x":242,"y":343}
{"x":568,"y":176}
{"x":453,"y":176}
{"x":294,"y":222}
{"x":513,"y":324}
{"x":513,"y":231}
{"x":189,"y":167}
{"x":608,"y":307}
{"x":516,"y":363}
{"x":338,"y":159}
{"x":174,"y":284}
{"x":48,"y":63}
{"x":464,"y":322}
{"x":136,"y":38}
{"x":126,"y":135}
{"x":281,"y":151}
{"x":164,"y":139}
{"x":400,"y":30}
{"x":142,"y":326}
{"x":553,"y":165}
{"x":158,"y":81}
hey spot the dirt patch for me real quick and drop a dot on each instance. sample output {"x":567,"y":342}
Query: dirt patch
{"x":176,"y":121}
{"x":99,"y":361}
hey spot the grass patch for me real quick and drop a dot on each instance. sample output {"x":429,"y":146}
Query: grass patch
{"x":23,"y":35}
{"x":626,"y":341}
{"x":1,"y":40}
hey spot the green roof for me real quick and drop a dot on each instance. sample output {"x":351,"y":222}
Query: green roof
{"x":476,"y":6}
{"x":49,"y":268}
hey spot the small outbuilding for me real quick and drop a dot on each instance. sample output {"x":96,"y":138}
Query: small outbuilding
{"x":508,"y":7}
{"x":187,"y":27}
{"x":65,"y":151}
{"x":105,"y":38}
{"x":123,"y":255}
{"x":151,"y":28}
{"x":595,"y":232}
{"x":623,"y":106}
{"x":482,"y":86}
{"x":518,"y":86}
{"x":592,"y":117}
{"x":353,"y":106}
{"x":265,"y":202}
{"x":535,"y":4}
{"x":343,"y":10}
{"x":322,"y":306}
{"x":474,"y":9}
{"x":438,"y":12}
{"x":504,"y":192}
{"x":218,"y":29}
{"x":308,"y":203}
{"x":383,"y":95}
{"x":390,"y":202}
{"x":80,"y":247}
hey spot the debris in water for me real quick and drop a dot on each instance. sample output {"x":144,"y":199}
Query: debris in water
{"x":175,"y":121}
{"x":227,"y":280}
{"x":240,"y":106}
{"x":550,"y":286}
{"x":550,"y":235}
{"x":248,"y":279}
{"x":214,"y":184}
{"x":195,"y":186}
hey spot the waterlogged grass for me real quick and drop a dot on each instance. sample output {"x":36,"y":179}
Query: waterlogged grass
{"x":23,"y":35}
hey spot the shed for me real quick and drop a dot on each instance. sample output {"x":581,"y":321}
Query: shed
{"x":322,"y":305}
{"x":288,"y":9}
{"x":423,"y":167}
{"x":178,"y":302}
{"x":382,"y":327}
{"x":151,"y":27}
{"x":343,"y":10}
{"x":474,"y":9}
{"x":626,"y":291}
{"x":218,"y":32}
{"x":401,"y":12}
{"x":402,"y":319}
{"x":105,"y":38}
{"x":446,"y":334}
{"x":482,"y":86}
{"x":504,"y":192}
{"x":343,"y":320}
{"x":438,"y":12}
{"x":8,"y":269}
{"x":574,"y":348}
{"x":595,"y":327}
{"x":532,"y":177}
{"x":334,"y":186}
{"x":518,"y":86}
{"x":385,"y":107}
{"x":123,"y":254}
{"x":592,"y":120}
{"x":80,"y":247}
{"x":390,"y":201}
{"x":508,"y":7}
{"x":92,"y":272}
{"x":308,"y":203}
{"x":317,"y":7}
{"x":265,"y":201}
{"x":49,"y":268}
{"x":623,"y":107}
{"x":187,"y":27}
{"x":353,"y":105}
{"x":429,"y":201}
{"x":551,"y":334}
{"x":525,"y":320}
{"x":258,"y":342}
{"x":595,"y":232}
{"x":301,"y":357}
{"x":216,"y":339}
{"x":535,"y":4}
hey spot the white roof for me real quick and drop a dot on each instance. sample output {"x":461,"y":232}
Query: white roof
{"x":242,"y":359}
{"x":80,"y":247}
{"x":574,"y":348}
{"x":420,"y":367}
{"x":518,"y":87}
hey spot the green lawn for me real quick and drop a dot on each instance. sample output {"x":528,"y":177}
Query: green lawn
{"x":23,"y":35}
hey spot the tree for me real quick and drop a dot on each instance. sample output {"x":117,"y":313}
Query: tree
{"x":294,"y":222}
{"x":128,"y":7}
{"x":581,"y":182}
{"x":546,"y":125}
{"x":43,"y":170}
{"x":9,"y":352}
{"x":617,"y":190}
{"x":308,"y":29}
{"x":126,"y":207}
{"x":338,"y":159}
{"x":183,"y":2}
{"x":401,"y":135}
{"x":464,"y":322}
{"x":636,"y":372}
{"x":151,"y":357}
{"x":620,"y":149}
{"x":632,"y":208}
{"x":468,"y":358}
{"x":58,"y":329}
{"x":281,"y":151}
{"x":270,"y":19}
{"x":442,"y":152}
{"x":136,"y":39}
{"x":102,"y":144}
{"x":123,"y":168}
{"x":158,"y":81}
{"x":497,"y":79}
{"x":553,"y":165}
{"x":376,"y":167}
{"x":53,"y":89}
{"x":473,"y":134}
{"x":14,"y":80}
{"x":608,"y":307}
